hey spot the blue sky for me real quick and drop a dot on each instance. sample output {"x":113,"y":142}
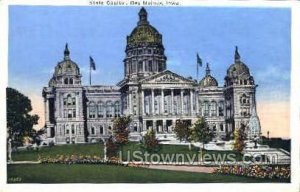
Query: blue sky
{"x":37,"y":36}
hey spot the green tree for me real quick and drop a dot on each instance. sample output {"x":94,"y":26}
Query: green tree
{"x":201,"y":131}
{"x":150,"y":143}
{"x":239,"y":139}
{"x":182,"y":130}
{"x":121,"y":129}
{"x":19,"y":120}
{"x":111,"y":148}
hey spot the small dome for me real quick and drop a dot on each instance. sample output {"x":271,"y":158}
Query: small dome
{"x":208,"y":81}
{"x":238,"y":68}
{"x":67,"y":66}
{"x":144,"y":32}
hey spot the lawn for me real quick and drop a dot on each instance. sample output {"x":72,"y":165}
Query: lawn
{"x":84,"y":173}
{"x":127,"y":151}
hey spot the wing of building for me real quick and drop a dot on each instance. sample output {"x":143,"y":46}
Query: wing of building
{"x":152,"y":95}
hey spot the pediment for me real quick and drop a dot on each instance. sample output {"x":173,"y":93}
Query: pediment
{"x":167,"y":77}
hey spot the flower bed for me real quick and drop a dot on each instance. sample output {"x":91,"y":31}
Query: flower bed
{"x":79,"y":159}
{"x":258,"y":171}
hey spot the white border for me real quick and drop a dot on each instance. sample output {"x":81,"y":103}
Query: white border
{"x":295,"y":113}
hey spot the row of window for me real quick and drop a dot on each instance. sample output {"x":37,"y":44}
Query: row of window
{"x":100,"y":110}
{"x":146,"y":66}
{"x":145,"y":51}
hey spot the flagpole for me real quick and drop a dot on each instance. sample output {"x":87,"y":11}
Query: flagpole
{"x":90,"y":74}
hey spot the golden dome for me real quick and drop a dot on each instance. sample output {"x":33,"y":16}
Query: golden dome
{"x":144,"y":32}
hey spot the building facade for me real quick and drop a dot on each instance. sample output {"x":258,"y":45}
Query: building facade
{"x":153,"y":96}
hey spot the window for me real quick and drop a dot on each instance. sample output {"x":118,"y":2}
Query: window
{"x":206,"y":109}
{"x":117,"y":109}
{"x":73,"y":130}
{"x":140,"y":66}
{"x":135,"y":127}
{"x":221,"y":127}
{"x":66,"y":81}
{"x":108,"y":109}
{"x":92,"y":110}
{"x":100,"y":110}
{"x":150,"y":65}
{"x":70,"y":113}
{"x":93,"y":131}
{"x":101,"y":130}
{"x":71,"y":81}
{"x":221,"y":108}
{"x":213,"y":108}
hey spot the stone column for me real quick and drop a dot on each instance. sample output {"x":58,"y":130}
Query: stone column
{"x":164,"y":126}
{"x":162,"y":102}
{"x":192,"y":102}
{"x":130,"y":103}
{"x":143,"y":102}
{"x":154,"y":125}
{"x":181,"y":97}
{"x":144,"y":125}
{"x":77,"y":106}
{"x":46,"y":109}
{"x":152,"y":104}
{"x":172,"y":101}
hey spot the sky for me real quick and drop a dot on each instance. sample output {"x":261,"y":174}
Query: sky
{"x":37,"y":36}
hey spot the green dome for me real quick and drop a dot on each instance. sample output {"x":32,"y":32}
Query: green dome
{"x":238,"y":69}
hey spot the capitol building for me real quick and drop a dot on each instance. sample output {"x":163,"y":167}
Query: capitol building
{"x":152,"y":95}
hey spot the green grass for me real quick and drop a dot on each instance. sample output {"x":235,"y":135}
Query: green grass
{"x":60,"y":173}
{"x":97,"y":149}
{"x":83,"y":149}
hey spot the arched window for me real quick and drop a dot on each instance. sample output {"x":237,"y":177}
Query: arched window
{"x":66,"y":81}
{"x":140,"y":66}
{"x":206,"y":108}
{"x":221,"y":127}
{"x":93,"y":130}
{"x":69,"y":100}
{"x":101,"y":130}
{"x":100,"y":109}
{"x":117,"y":109}
{"x":221,"y":108}
{"x":213,"y":108}
{"x":73,"y":129}
{"x":92,"y":110}
{"x":71,"y":81}
{"x":108,"y":109}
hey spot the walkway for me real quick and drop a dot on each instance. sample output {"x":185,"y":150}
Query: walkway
{"x":183,"y":168}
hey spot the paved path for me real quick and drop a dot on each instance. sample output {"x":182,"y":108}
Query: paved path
{"x":183,"y":168}
{"x":23,"y":162}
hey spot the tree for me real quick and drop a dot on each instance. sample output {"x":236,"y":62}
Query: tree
{"x":111,"y":148}
{"x":19,"y":121}
{"x":121,"y":129}
{"x":239,"y":139}
{"x":150,"y":143}
{"x":182,"y":130}
{"x":201,"y":131}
